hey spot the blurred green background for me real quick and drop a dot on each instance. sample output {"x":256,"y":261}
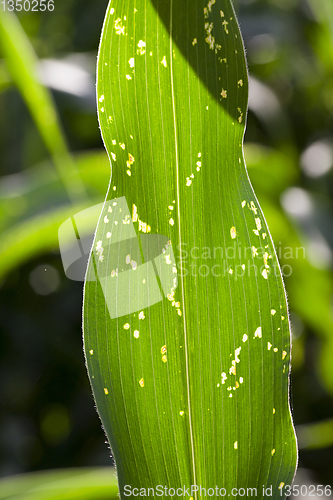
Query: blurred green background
{"x":52,"y":165}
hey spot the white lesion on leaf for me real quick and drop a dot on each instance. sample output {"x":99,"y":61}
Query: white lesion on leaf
{"x":119,"y":27}
{"x":141,"y":50}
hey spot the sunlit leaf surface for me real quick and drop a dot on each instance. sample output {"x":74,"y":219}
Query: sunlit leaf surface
{"x":186,"y":326}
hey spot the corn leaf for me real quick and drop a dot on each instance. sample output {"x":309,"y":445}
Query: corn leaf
{"x":186,"y":330}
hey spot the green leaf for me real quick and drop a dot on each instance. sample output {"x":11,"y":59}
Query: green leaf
{"x":186,"y":330}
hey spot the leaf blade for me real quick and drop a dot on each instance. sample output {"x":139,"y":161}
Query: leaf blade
{"x":191,"y":185}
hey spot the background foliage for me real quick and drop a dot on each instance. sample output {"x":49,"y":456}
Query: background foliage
{"x":47,"y":415}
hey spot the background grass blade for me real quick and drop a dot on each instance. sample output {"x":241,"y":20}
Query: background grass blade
{"x":85,"y":483}
{"x":194,"y":388}
{"x":22,"y":64}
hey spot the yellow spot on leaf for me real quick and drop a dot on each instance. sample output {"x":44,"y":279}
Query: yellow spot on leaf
{"x":273,"y":312}
{"x":164,"y":62}
{"x":126,"y":326}
{"x":141,"y":382}
{"x":141,"y":48}
{"x":236,"y":445}
{"x":284,"y":354}
{"x":224,"y":94}
{"x":258,"y":332}
{"x":91,"y":351}
{"x":233,"y":232}
{"x":136,"y":334}
{"x":106,"y":391}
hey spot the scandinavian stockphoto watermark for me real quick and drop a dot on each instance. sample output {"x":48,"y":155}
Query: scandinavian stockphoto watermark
{"x":236,"y":260}
{"x":217,"y":491}
{"x":27,"y":5}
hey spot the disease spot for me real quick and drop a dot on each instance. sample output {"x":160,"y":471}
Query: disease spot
{"x":141,"y":48}
{"x":224,"y":377}
{"x":131,"y":62}
{"x":264,"y":236}
{"x":241,"y":380}
{"x":163,"y":349}
{"x":258,"y":332}
{"x":245,"y":337}
{"x":264,"y":273}
{"x":273,"y":312}
{"x":224,"y":93}
{"x":273,"y":411}
{"x":281,"y":486}
{"x":106,"y":391}
{"x":188,"y":181}
{"x":221,"y":13}
{"x":282,"y":317}
{"x":164,"y":62}
{"x":129,"y":173}
{"x":284,"y":354}
{"x":112,"y":11}
{"x":236,"y":445}
{"x":233,"y":232}
{"x":171,"y":222}
{"x":243,"y":267}
{"x":231,"y":271}
{"x":106,"y":220}
{"x":179,"y":312}
{"x":258,"y":223}
{"x":269,"y":346}
{"x":134,"y":213}
{"x":240,"y":83}
{"x":254,"y":251}
{"x":181,"y":413}
{"x":119,"y":27}
{"x":241,"y":114}
{"x":275,"y":349}
{"x":141,"y":382}
{"x":102,"y":109}
{"x":101,"y":99}
{"x":243,"y":203}
{"x":91,"y":352}
{"x":128,"y":259}
{"x":273,"y":451}
{"x":128,"y":77}
{"x":142,"y":315}
{"x":150,"y":53}
{"x":225,"y":25}
{"x":126,"y":326}
{"x":122,"y":146}
{"x":164,"y":359}
{"x":195,"y":41}
{"x":253,"y":208}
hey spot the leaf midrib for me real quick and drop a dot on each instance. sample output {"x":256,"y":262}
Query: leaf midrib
{"x":180,"y":241}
